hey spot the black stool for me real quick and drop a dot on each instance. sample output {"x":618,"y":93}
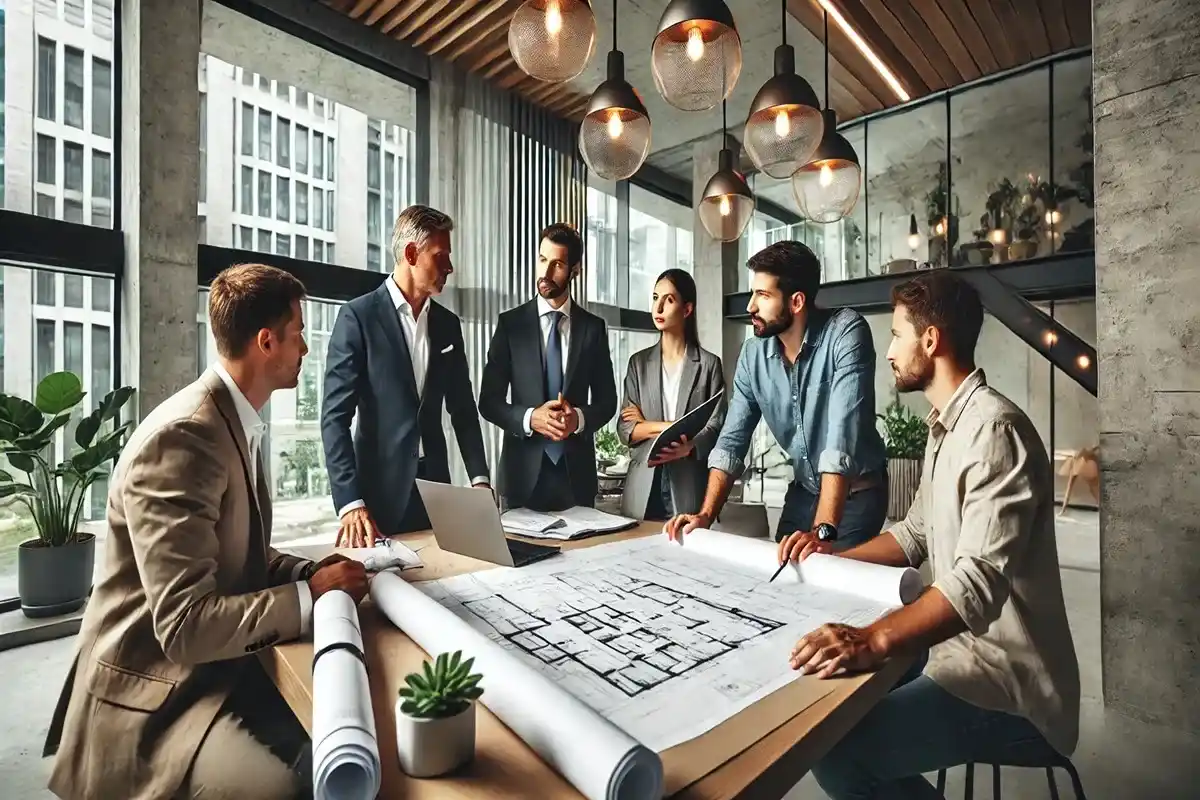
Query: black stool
{"x":1049,"y":764}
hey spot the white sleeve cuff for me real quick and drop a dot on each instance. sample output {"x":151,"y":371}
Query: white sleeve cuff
{"x":304,"y":594}
{"x":478,"y":479}
{"x":353,"y":504}
{"x":527,"y":422}
{"x":579,"y":414}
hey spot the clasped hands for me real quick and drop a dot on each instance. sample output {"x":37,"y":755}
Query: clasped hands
{"x":555,"y":419}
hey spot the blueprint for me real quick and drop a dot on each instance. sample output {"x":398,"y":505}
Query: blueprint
{"x":664,"y":641}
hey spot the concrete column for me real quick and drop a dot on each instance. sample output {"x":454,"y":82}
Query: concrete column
{"x":1147,"y":110}
{"x":159,"y":179}
{"x":715,"y":265}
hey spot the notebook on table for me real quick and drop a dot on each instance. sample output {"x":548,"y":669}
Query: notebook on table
{"x":574,"y":523}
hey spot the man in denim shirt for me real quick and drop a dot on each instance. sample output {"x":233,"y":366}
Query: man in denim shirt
{"x":810,"y":372}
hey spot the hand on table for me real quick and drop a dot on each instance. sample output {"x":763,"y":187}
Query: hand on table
{"x":673,"y":452}
{"x":835,"y":647}
{"x":800,"y":545}
{"x":338,"y":572}
{"x":681,"y":525}
{"x":358,"y":529}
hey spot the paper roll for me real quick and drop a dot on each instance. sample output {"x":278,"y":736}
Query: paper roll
{"x":598,"y":758}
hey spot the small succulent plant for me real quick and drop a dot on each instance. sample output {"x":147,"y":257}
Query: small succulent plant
{"x":442,"y":690}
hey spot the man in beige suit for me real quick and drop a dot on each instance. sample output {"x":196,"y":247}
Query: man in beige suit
{"x":166,"y":698}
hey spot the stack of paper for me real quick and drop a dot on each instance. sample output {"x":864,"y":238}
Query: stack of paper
{"x":574,"y":523}
{"x":602,"y":761}
{"x":345,"y":751}
{"x":386,"y":554}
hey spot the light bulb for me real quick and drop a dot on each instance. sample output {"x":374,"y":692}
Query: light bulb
{"x":695,"y":44}
{"x":783,"y":125}
{"x":940,"y":228}
{"x":553,"y":18}
{"x":724,"y":207}
{"x":615,"y":126}
{"x":913,"y":241}
{"x":1051,"y":338}
{"x":826,"y":177}
{"x":1084,"y":362}
{"x":997,"y":236}
{"x":1053,"y":216}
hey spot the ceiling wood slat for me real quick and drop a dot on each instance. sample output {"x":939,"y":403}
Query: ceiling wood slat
{"x":971,"y":34}
{"x":857,"y":74}
{"x":985,"y":16}
{"x":418,"y":21}
{"x":459,"y":50}
{"x":857,"y":15}
{"x":1030,"y":14}
{"x":490,"y":52}
{"x":441,"y":23}
{"x":907,"y":45}
{"x":1010,"y":25}
{"x":919,"y":31}
{"x":1079,"y":22}
{"x":1054,"y":14}
{"x":943,"y":30}
{"x":480,"y":15}
{"x":360,"y":8}
{"x":381,"y":9}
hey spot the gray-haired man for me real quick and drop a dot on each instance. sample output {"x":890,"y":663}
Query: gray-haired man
{"x":414,"y":348}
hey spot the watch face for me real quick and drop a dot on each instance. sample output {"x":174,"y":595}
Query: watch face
{"x":826,"y":532}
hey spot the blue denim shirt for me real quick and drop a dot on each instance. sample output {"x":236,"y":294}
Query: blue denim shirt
{"x":821,"y":411}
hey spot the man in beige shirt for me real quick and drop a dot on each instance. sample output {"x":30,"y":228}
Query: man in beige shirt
{"x":1002,"y":680}
{"x":166,"y":698}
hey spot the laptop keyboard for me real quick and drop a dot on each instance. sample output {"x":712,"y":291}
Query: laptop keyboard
{"x":526,"y":553}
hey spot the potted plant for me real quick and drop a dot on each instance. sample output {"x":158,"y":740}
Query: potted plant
{"x":905,"y":435}
{"x":54,"y":571}
{"x":435,"y":716}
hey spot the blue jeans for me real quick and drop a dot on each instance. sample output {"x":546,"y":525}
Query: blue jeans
{"x":862,"y":518}
{"x":919,"y":727}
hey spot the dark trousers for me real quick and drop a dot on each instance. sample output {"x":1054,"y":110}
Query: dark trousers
{"x":659,"y":506}
{"x":862,"y":519}
{"x":553,"y":491}
{"x":415,"y":516}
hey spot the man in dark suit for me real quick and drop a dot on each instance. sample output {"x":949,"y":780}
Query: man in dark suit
{"x":394,"y":357}
{"x":553,"y":356}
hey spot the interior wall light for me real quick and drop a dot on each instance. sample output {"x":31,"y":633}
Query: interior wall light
{"x":552,"y":40}
{"x":785,"y":124}
{"x":727,"y":203}
{"x":914,"y":238}
{"x":826,"y":188}
{"x":696,"y":57}
{"x":614,"y":138}
{"x":861,"y":44}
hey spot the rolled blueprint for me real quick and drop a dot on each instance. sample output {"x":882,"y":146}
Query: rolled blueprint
{"x":345,"y":752}
{"x":595,"y":756}
{"x":889,"y":586}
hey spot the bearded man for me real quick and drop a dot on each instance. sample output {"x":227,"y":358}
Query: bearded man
{"x":810,"y":373}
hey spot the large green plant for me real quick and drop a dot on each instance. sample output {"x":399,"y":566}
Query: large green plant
{"x":609,"y":446}
{"x":904,"y":432}
{"x":443,"y":690}
{"x":55,"y":495}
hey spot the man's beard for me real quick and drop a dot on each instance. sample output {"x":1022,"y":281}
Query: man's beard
{"x":917,"y":378}
{"x":773,"y":327}
{"x":550,"y":290}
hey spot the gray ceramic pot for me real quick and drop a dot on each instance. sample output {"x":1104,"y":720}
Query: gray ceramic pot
{"x":55,"y":580}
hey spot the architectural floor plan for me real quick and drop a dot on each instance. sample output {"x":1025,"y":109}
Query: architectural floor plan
{"x":663,"y":641}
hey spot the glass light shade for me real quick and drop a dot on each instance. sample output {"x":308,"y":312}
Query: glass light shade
{"x":727,"y":204}
{"x":696,"y":57}
{"x":785,"y":124}
{"x":614,"y":138}
{"x":552,"y":40}
{"x":827,"y":187}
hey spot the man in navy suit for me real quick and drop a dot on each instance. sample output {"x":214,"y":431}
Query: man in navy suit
{"x":548,"y":384}
{"x":395,"y":356}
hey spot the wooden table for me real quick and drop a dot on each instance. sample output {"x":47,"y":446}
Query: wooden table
{"x":505,"y":767}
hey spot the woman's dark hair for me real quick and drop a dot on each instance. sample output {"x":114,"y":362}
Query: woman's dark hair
{"x":685,"y":287}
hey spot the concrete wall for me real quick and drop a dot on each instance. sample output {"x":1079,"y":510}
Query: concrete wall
{"x":1147,"y":94}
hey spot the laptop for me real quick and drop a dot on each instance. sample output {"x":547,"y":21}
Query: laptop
{"x":466,"y":521}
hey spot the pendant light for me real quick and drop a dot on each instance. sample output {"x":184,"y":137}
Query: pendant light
{"x":914,"y":238}
{"x":697,"y":54}
{"x":785,"y":124}
{"x":826,"y":188}
{"x":614,"y":138}
{"x":727,"y":203}
{"x":552,"y":40}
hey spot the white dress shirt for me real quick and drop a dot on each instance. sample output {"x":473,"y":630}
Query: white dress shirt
{"x":670,"y":384}
{"x":545,"y":319}
{"x":416,"y":336}
{"x":254,"y":428}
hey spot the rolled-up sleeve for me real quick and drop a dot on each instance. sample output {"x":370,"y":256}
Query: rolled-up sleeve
{"x":910,"y":532}
{"x":729,"y":453}
{"x":851,"y":395}
{"x":998,"y":507}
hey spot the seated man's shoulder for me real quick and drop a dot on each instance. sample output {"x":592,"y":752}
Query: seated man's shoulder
{"x":190,"y":412}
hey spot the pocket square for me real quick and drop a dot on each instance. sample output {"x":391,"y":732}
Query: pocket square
{"x":447,"y":348}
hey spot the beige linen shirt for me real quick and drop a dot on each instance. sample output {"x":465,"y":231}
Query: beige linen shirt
{"x":984,"y":517}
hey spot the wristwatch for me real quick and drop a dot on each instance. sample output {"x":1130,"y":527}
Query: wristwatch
{"x":826,"y":532}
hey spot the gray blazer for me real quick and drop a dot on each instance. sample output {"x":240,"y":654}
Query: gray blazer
{"x":702,"y":377}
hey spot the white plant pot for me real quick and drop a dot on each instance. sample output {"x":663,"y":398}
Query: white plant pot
{"x":431,"y":747}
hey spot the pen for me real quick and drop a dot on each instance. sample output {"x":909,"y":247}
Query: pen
{"x":776,"y":575}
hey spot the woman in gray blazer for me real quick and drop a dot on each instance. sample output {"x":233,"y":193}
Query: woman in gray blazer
{"x":662,"y":383}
